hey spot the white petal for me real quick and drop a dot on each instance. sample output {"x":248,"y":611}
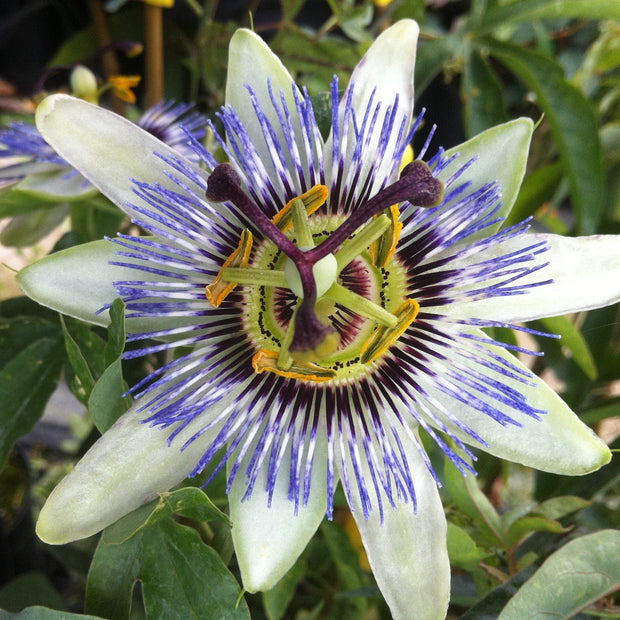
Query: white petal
{"x":585,"y":273}
{"x":77,"y":281}
{"x":126,"y":468}
{"x":269,"y":539}
{"x":558,"y":442}
{"x":407,"y":552}
{"x":252,"y":64}
{"x":501,"y":155}
{"x":106,"y":148}
{"x":385,"y":72}
{"x":387,"y":68}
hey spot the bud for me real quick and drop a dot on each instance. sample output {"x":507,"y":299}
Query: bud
{"x":84,"y":84}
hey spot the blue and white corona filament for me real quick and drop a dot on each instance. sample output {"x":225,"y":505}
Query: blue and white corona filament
{"x":373,"y":333}
{"x":323,"y":306}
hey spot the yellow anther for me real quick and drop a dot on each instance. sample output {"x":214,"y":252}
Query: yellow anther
{"x":383,"y":337}
{"x":217,"y":291}
{"x":384,"y":247}
{"x":267,"y":361}
{"x":122,"y":84}
{"x":312,"y":200}
{"x":407,"y":157}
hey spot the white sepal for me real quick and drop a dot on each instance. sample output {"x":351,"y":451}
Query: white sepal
{"x":126,"y":468}
{"x":583,"y":274}
{"x":268,"y":539}
{"x":407,"y":551}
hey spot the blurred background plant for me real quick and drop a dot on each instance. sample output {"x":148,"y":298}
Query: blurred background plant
{"x":480,"y":63}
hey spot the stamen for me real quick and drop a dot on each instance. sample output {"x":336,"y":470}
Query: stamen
{"x":300,"y":224}
{"x":220,"y":288}
{"x":360,"y":305}
{"x":256,"y":276}
{"x":355,"y":245}
{"x":384,"y":247}
{"x":285,"y":361}
{"x":383,"y":337}
{"x":312,"y":340}
{"x":311,"y":271}
{"x":267,"y":361}
{"x":312,"y":200}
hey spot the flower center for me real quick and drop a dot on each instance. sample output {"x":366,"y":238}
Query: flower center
{"x":324,"y":295}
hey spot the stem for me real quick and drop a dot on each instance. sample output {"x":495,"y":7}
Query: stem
{"x":109,"y":61}
{"x":154,"y":54}
{"x":354,"y":246}
{"x":256,"y":276}
{"x":300,"y":223}
{"x":360,"y":305}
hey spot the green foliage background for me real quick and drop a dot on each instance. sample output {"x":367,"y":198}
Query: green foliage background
{"x":521,"y":542}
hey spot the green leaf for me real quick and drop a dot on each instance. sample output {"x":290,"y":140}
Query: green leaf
{"x":409,"y":9}
{"x":14,"y":202}
{"x":290,"y":8}
{"x":317,"y":60}
{"x":482,"y":93}
{"x":322,"y":108}
{"x":431,"y":58}
{"x":574,"y":342}
{"x":56,"y":186}
{"x":29,"y":589}
{"x":116,"y":333}
{"x":85,"y":354}
{"x":22,"y":307}
{"x":181,"y":577}
{"x":581,"y":572}
{"x":79,"y":365}
{"x":592,"y":416}
{"x":558,"y":507}
{"x":112,"y":576}
{"x":348,"y":569}
{"x":537,"y":188}
{"x":29,"y":228}
{"x":95,"y":218}
{"x":525,"y":526}
{"x":18,"y":332}
{"x":602,"y":56}
{"x":276,"y":600}
{"x":489,"y":606}
{"x":573,"y":126}
{"x":107,"y":401}
{"x":354,"y":19}
{"x":26,"y":383}
{"x":43,"y":613}
{"x":530,"y":10}
{"x":468,"y":497}
{"x":189,"y":502}
{"x":462,"y":550}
